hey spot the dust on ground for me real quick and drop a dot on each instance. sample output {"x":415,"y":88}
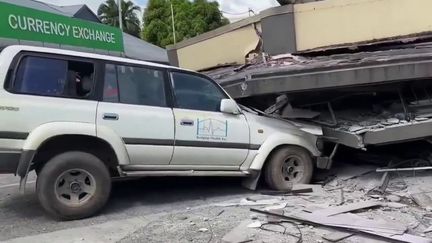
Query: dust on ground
{"x":346,"y":184}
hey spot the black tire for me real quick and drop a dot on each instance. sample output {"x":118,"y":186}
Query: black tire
{"x":284,"y":165}
{"x":67,"y":166}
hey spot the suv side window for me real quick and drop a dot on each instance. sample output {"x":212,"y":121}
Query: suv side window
{"x":134,"y":85}
{"x":196,"y":93}
{"x":54,"y":77}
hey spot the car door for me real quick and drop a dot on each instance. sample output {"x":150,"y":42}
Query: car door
{"x":204,"y":136}
{"x":136,"y":108}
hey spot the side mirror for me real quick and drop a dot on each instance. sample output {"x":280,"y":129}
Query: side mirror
{"x":229,"y":106}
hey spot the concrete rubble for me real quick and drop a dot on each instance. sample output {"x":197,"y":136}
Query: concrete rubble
{"x":350,"y":94}
{"x":401,"y":213}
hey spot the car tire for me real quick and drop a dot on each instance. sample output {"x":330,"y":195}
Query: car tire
{"x":73,"y":185}
{"x":287,"y":166}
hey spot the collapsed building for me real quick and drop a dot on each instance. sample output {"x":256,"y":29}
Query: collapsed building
{"x":359,"y":68}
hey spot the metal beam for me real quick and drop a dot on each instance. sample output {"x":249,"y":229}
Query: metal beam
{"x":399,"y":133}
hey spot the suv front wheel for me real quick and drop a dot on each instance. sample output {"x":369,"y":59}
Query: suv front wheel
{"x":73,"y":185}
{"x":287,"y":166}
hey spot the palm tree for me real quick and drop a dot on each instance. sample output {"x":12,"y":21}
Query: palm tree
{"x":108,"y":14}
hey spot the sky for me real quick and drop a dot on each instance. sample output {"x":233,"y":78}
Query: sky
{"x":232,"y":9}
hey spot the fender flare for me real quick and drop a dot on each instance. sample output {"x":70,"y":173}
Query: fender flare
{"x":278,"y":139}
{"x":49,"y":130}
{"x":112,"y":138}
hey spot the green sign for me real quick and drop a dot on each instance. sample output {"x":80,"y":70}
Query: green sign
{"x":23,"y":23}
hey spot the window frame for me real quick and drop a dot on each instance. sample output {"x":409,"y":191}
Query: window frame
{"x":167,"y":89}
{"x":9,"y":84}
{"x":199,"y":75}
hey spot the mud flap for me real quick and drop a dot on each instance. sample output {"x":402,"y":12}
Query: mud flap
{"x":24,"y":167}
{"x":23,"y":181}
{"x":251,"y":182}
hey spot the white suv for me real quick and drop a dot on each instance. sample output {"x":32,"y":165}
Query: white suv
{"x":79,"y":119}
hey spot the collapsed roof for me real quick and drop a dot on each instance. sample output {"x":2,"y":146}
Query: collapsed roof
{"x":293,"y":73}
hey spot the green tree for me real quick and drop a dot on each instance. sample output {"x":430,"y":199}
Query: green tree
{"x":191,"y":19}
{"x":108,"y":14}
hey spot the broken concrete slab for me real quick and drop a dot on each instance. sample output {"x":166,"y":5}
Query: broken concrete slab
{"x":358,"y":224}
{"x":355,"y":128}
{"x":428,"y":230}
{"x":281,"y":101}
{"x":394,"y":205}
{"x":344,"y":221}
{"x":294,"y":113}
{"x":402,"y":237}
{"x":353,"y":222}
{"x":276,"y":207}
{"x":273,"y":219}
{"x":245,"y":202}
{"x":393,"y":198}
{"x":315,"y":207}
{"x":422,"y":199}
{"x":347,"y":208}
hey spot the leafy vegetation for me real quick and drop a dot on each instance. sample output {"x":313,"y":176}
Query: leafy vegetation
{"x":191,"y":19}
{"x":108,"y":14}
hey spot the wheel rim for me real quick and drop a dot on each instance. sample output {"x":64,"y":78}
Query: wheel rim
{"x":75,"y":187}
{"x":293,"y":169}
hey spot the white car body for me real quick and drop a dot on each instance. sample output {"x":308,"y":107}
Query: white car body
{"x":146,"y":140}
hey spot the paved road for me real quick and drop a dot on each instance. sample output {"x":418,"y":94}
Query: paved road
{"x":133,"y":203}
{"x":182,"y":210}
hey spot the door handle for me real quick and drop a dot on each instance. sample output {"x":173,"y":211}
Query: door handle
{"x":110,"y":116}
{"x":186,"y":122}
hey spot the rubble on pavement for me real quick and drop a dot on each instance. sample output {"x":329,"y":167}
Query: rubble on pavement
{"x":344,"y":206}
{"x":401,"y":213}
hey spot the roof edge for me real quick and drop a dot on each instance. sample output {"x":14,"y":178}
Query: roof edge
{"x":233,"y":26}
{"x":83,"y":7}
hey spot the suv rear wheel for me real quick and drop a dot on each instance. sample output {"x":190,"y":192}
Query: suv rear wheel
{"x":73,"y":185}
{"x":287,"y":166}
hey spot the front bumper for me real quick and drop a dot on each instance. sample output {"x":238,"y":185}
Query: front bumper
{"x":9,"y":161}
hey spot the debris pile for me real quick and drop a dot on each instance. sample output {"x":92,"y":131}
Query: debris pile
{"x":358,"y":118}
{"x":347,"y":207}
{"x":340,"y":218}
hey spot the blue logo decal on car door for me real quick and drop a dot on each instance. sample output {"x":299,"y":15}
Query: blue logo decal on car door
{"x":212,"y":129}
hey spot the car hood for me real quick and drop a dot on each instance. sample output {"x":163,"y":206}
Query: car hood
{"x":281,"y":125}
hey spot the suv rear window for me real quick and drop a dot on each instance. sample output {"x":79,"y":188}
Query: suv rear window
{"x":54,"y":77}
